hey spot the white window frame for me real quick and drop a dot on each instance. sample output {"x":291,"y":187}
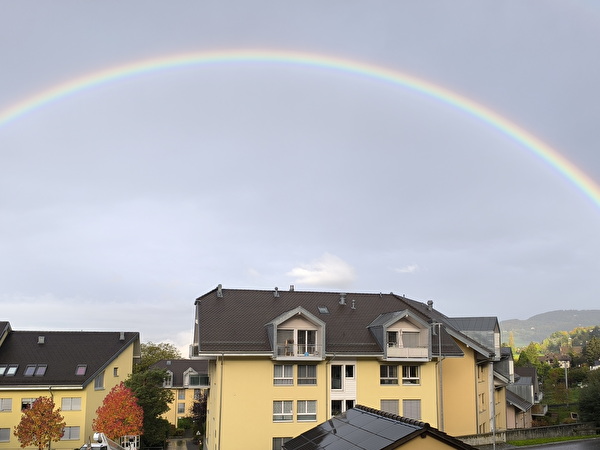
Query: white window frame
{"x":71,"y":434}
{"x":386,"y":378}
{"x":283,"y":411}
{"x":4,"y":434}
{"x":306,"y":410}
{"x":283,"y":374}
{"x":411,"y":408}
{"x":5,"y":404}
{"x":411,"y":375}
{"x":390,"y":406}
{"x":99,"y":382}
{"x":306,"y":379}
{"x":70,"y":404}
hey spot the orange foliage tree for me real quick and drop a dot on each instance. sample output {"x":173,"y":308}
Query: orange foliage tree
{"x":40,"y":424}
{"x":120,"y":415}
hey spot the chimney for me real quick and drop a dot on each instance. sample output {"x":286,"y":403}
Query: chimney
{"x":291,"y":288}
{"x":342,"y":299}
{"x":276,"y":292}
{"x":122,"y":336}
{"x":220,"y":291}
{"x":41,"y":340}
{"x":430,"y":305}
{"x":353,"y":304}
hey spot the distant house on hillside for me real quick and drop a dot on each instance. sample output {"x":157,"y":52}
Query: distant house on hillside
{"x":187,"y":379}
{"x":75,"y":368}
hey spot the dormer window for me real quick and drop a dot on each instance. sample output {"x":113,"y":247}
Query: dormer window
{"x":168,"y":379}
{"x":297,"y":334}
{"x":392,"y":339}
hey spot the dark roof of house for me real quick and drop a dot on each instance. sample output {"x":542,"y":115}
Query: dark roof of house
{"x":179,"y":366}
{"x":519,"y":402}
{"x":62,"y":352}
{"x":235,"y":320}
{"x":368,"y":429}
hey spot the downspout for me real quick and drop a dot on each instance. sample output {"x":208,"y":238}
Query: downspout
{"x":221,"y":400}
{"x":492,"y":404}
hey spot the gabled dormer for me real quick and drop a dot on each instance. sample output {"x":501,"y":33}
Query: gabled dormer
{"x":402,"y":335}
{"x":297,"y":334}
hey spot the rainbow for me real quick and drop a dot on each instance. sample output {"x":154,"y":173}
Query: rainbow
{"x":575,"y":175}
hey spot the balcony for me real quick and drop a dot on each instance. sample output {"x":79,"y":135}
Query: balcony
{"x":290,"y":350}
{"x":394,"y":350}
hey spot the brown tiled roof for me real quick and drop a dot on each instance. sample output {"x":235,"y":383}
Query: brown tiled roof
{"x":235,"y":321}
{"x":179,"y":366}
{"x":62,"y":352}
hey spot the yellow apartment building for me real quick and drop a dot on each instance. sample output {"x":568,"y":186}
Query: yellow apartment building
{"x":188,"y":380}
{"x":280,"y":362}
{"x":76,"y":369}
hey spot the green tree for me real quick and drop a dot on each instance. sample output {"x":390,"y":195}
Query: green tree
{"x":152,"y":353}
{"x":589,"y":399}
{"x":40,"y":424}
{"x":529,"y":356}
{"x":147,"y":386}
{"x":591,"y":351}
{"x":199,"y":412}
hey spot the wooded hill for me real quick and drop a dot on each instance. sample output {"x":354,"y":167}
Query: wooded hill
{"x":541,"y":326}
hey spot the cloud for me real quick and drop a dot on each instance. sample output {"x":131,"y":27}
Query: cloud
{"x":329,"y":270}
{"x":411,"y":268}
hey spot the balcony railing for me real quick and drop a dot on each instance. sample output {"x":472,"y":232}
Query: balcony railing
{"x":395,"y":351}
{"x":299,"y":350}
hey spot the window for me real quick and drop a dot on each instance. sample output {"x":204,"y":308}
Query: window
{"x":115,"y":371}
{"x":70,"y":434}
{"x":283,"y":374}
{"x":349,"y":371}
{"x":306,"y":410}
{"x":81,"y":369}
{"x":282,"y":411}
{"x":279,"y":441}
{"x":340,"y":406}
{"x":99,"y":382}
{"x":194,"y":379}
{"x":11,"y":370}
{"x":2,"y":369}
{"x":411,"y":409}
{"x":180,"y":408}
{"x":410,"y":339}
{"x":71,"y":404}
{"x":4,"y":434}
{"x":388,"y":374}
{"x":392,"y":339}
{"x":307,"y":374}
{"x":307,"y":341}
{"x":336,"y":376}
{"x":410,"y":375}
{"x":27,"y":402}
{"x":390,"y":406}
{"x":5,"y":404}
{"x":35,"y":369}
{"x":168,"y":379}
{"x":181,"y":394}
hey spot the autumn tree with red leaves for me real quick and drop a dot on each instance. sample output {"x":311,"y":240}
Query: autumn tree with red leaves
{"x":120,"y":415}
{"x":40,"y":424}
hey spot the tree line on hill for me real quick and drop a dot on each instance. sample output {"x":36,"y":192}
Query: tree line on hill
{"x":567,"y":360}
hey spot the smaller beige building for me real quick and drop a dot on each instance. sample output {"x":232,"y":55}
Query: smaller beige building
{"x":362,"y":427}
{"x":187,"y":379}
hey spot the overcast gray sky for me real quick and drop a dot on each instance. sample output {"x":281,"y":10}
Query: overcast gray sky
{"x":123,"y":202}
